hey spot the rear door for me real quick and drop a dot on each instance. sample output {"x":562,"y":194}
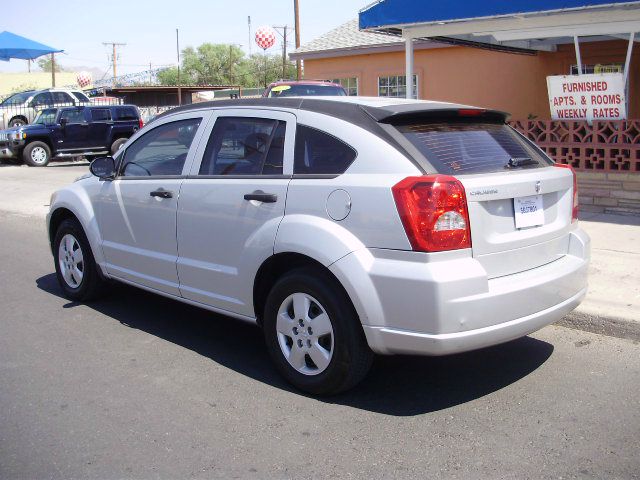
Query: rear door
{"x":231,"y":205}
{"x":520,"y":206}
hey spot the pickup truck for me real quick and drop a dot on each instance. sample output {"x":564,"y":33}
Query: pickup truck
{"x":87,"y":131}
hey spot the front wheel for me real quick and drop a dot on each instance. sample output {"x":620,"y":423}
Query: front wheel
{"x":313,"y":333}
{"x":76,"y":268}
{"x":36,"y":154}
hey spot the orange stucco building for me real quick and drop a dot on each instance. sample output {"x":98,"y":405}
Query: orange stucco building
{"x":513,"y":82}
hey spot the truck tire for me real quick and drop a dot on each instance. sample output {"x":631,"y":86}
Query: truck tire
{"x":117,"y":145}
{"x":17,"y":122}
{"x":36,"y":154}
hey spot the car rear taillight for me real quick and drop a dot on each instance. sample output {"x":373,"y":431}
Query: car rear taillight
{"x":140,"y":123}
{"x":574,"y":203}
{"x":433,"y":209}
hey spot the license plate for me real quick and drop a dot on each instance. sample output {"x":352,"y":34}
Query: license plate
{"x":529,"y":211}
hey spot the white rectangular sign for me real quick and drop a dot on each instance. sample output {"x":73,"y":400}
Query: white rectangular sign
{"x":587,"y":97}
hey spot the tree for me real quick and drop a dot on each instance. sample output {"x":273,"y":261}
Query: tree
{"x":45,"y":64}
{"x":223,"y":64}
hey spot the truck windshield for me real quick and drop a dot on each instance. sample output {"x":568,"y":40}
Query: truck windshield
{"x":465,"y":147}
{"x":46,"y":116}
{"x":17,"y":99}
{"x":306,"y":91}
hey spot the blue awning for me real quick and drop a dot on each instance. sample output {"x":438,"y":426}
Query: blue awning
{"x":15,"y":46}
{"x":388,"y":13}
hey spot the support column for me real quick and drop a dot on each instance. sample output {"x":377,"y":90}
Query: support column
{"x":578,"y":56}
{"x":627,"y":62}
{"x":408,"y":48}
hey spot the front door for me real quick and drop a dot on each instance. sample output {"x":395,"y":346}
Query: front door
{"x":137,"y":210}
{"x":74,"y":129}
{"x":231,"y":205}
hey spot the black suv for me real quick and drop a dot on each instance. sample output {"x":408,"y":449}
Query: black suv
{"x":87,"y":131}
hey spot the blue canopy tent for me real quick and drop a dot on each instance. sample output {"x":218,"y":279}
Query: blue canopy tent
{"x":510,"y":25}
{"x":15,"y":46}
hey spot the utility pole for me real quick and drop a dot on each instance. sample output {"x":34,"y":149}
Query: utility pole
{"x":178,"y":52}
{"x":284,"y":48}
{"x":296,"y":10}
{"x":114,"y":57}
{"x":250,"y":39}
{"x":53,"y":70}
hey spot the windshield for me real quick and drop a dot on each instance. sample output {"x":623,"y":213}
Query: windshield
{"x":465,"y":147}
{"x":306,"y":91}
{"x":17,"y":99}
{"x":46,"y":116}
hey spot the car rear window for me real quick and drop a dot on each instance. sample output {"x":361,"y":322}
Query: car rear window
{"x":318,"y":152}
{"x":126,"y":113}
{"x":466,"y":148}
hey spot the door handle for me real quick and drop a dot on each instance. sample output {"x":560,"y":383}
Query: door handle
{"x":260,"y":196}
{"x":162,"y":193}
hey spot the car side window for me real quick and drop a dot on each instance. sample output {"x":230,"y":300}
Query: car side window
{"x":73,"y":116}
{"x":245,"y":146}
{"x":42,"y":99}
{"x":100,"y":114}
{"x":318,"y":152}
{"x":126,"y":113}
{"x":161,"y":151}
{"x":62,"y":98}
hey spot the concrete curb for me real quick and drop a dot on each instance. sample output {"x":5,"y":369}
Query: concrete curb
{"x":609,"y":326}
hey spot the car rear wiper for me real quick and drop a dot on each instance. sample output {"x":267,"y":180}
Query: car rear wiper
{"x":520,"y":162}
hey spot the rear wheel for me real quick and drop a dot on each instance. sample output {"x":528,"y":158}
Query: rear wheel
{"x":36,"y":154}
{"x":313,"y":333}
{"x":76,"y":268}
{"x":117,"y":145}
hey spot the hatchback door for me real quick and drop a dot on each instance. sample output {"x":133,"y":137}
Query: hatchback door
{"x":231,"y":205}
{"x":520,"y":206}
{"x":136,"y":212}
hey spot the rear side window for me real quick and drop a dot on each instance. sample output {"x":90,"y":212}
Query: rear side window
{"x":245,"y":146}
{"x":320,"y":153}
{"x":466,"y":148}
{"x":126,"y":113}
{"x":100,"y":114}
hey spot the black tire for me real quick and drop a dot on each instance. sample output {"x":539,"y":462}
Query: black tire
{"x":36,"y":154}
{"x":117,"y":145}
{"x":91,"y":285}
{"x":351,"y":357}
{"x":17,"y":122}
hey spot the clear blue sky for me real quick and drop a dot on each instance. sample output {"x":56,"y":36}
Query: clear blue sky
{"x":148,"y":26}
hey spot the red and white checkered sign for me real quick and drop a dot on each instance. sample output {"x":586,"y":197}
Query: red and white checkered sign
{"x":83,"y":79}
{"x":265,"y":37}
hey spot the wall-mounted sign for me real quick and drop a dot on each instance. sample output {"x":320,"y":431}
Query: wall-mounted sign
{"x":587,"y":97}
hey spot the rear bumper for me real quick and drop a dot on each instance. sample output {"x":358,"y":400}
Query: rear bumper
{"x":433,"y":304}
{"x":390,"y":340}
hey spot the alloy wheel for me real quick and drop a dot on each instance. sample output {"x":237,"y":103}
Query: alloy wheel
{"x":305,"y":334}
{"x":71,"y":261}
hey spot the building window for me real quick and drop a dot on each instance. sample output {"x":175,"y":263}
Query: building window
{"x":396,"y":86}
{"x":599,"y":68}
{"x":350,"y":84}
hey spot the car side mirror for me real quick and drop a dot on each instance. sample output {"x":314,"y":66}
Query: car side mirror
{"x":63,"y":122}
{"x":103,"y":167}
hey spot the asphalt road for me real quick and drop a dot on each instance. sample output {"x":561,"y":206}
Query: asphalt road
{"x":139,"y":386}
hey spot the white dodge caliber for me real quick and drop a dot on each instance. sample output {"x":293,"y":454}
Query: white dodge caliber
{"x":342,"y":226}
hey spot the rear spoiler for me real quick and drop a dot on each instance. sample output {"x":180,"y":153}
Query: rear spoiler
{"x":408,"y":113}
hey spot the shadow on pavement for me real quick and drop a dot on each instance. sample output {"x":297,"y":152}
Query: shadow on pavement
{"x":399,"y":385}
